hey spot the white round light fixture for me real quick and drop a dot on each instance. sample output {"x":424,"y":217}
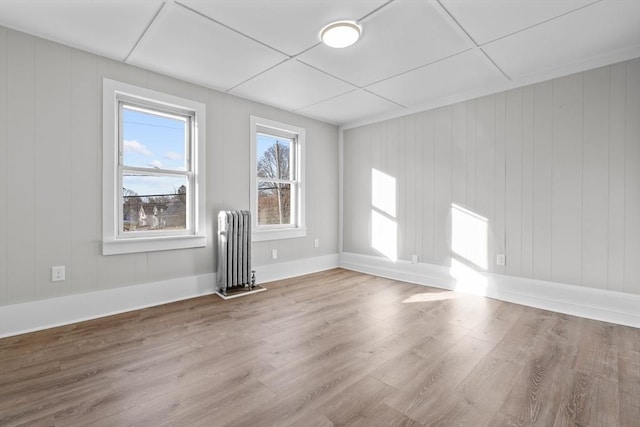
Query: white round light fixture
{"x":340,"y":34}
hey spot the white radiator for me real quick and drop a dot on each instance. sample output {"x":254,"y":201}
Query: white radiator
{"x":234,"y":251}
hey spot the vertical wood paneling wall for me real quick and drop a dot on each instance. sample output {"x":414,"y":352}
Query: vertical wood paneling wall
{"x":51,"y":174}
{"x":554,"y":167}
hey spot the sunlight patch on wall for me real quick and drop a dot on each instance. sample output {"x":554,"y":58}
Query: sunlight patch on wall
{"x":383,"y":192}
{"x":384,"y":228}
{"x":469,"y":236}
{"x":384,"y":235}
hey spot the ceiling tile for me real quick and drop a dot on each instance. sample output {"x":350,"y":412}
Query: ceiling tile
{"x":350,"y":107}
{"x":411,"y":52}
{"x":290,"y":26}
{"x":404,"y":35}
{"x":104,"y":27}
{"x":447,"y":79}
{"x":291,"y":86}
{"x":596,"y":30}
{"x":485,"y":21}
{"x":186,"y":45}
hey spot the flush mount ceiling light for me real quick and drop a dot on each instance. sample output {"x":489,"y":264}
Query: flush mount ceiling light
{"x":340,"y":34}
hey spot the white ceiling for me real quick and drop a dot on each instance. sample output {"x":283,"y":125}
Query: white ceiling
{"x":413,"y":55}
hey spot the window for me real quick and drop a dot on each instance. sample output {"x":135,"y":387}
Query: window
{"x":277,"y":180}
{"x":153,"y":170}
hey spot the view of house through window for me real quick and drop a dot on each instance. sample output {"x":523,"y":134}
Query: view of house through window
{"x":275,"y":179}
{"x":154,"y":168}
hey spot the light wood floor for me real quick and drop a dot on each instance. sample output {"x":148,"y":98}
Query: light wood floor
{"x":328,"y":349}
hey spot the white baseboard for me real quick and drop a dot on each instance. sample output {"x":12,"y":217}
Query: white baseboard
{"x":270,"y":272}
{"x":608,"y":306}
{"x":33,"y":316}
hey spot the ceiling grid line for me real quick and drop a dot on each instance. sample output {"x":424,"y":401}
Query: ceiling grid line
{"x":325,"y":100}
{"x":453,"y":55}
{"x":457,"y":23}
{"x":164,"y":5}
{"x":486,"y":55}
{"x":258,"y":75}
{"x":329,"y":74}
{"x":231,"y":28}
{"x":306,"y":50}
{"x":539,"y":23}
{"x":386,"y":99}
{"x":374,"y":11}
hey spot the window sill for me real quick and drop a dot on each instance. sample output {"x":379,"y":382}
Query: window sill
{"x":152,"y":244}
{"x":278,"y":234}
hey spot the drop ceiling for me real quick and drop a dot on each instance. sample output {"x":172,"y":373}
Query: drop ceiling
{"x":413,"y":54}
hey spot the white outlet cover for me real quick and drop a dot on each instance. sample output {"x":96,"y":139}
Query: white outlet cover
{"x":57,"y":273}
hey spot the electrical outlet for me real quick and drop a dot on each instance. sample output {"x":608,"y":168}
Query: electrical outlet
{"x":274,"y":254}
{"x":57,"y":273}
{"x":501,"y":259}
{"x":316,"y":243}
{"x":414,"y":259}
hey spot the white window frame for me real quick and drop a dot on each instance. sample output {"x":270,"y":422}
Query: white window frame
{"x":297,"y":134}
{"x":113,"y":240}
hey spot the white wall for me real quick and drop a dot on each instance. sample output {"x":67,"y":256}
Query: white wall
{"x":554,"y":167}
{"x":51,"y":174}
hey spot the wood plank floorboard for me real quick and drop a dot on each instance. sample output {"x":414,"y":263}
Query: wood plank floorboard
{"x":335,"y":348}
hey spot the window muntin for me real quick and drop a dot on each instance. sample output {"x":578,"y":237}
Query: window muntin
{"x":277,"y":180}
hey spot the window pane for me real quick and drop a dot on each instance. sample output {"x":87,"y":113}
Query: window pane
{"x":153,"y":140}
{"x":154,"y":202}
{"x":274,"y":203}
{"x":273,"y":157}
